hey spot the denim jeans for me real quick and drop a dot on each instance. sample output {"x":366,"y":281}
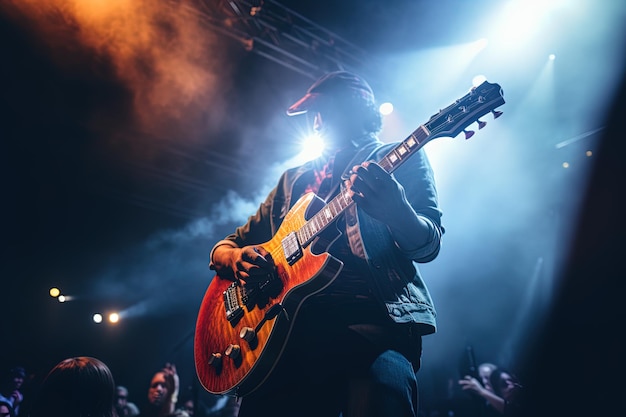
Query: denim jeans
{"x":332,"y":371}
{"x":390,"y":389}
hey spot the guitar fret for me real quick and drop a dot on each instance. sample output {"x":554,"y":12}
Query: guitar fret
{"x":315,"y":225}
{"x":319,"y":219}
{"x":393,"y":158}
{"x":313,"y":228}
{"x":346,"y":198}
{"x":403,"y":150}
{"x":327,"y":214}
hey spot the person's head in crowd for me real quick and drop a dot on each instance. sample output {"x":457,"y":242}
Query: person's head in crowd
{"x":121,"y":400}
{"x":76,"y":387}
{"x":11,"y":385}
{"x":484,"y":372}
{"x":18,"y":375}
{"x":163,"y":391}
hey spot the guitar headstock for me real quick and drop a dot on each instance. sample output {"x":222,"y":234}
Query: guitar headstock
{"x":455,"y":118}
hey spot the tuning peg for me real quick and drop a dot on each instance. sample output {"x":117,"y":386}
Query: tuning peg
{"x":468,"y":134}
{"x":481,"y":124}
{"x":496,"y":113}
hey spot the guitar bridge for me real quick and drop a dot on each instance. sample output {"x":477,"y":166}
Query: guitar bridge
{"x":291,"y":248}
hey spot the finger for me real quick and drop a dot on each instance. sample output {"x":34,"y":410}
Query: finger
{"x":373,"y":182}
{"x":242,"y":275}
{"x":261,"y":251}
{"x":377,"y":171}
{"x":261,"y":258}
{"x":254,"y":256}
{"x":363,"y":183}
{"x":357,"y":198}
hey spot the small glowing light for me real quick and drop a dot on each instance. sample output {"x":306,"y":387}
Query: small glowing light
{"x":478,"y":80}
{"x":551,"y":57}
{"x":54,"y":292}
{"x":589,"y":153}
{"x":565,"y":164}
{"x":97,"y":318}
{"x":114,"y":317}
{"x":312,"y":146}
{"x":61,"y":298}
{"x":386,"y":108}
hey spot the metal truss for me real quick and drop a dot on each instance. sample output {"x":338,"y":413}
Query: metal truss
{"x":279,"y":34}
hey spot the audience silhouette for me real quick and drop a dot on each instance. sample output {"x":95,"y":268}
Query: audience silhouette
{"x":10,"y":389}
{"x":76,"y":387}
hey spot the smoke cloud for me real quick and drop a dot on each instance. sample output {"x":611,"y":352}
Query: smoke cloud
{"x":161,"y":51}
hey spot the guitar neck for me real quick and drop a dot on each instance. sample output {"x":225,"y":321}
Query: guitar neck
{"x":343,"y":200}
{"x":450,"y":121}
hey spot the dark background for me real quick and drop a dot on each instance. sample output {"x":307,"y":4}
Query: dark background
{"x":135,"y":137}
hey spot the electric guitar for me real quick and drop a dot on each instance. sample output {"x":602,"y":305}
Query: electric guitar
{"x":241,"y":330}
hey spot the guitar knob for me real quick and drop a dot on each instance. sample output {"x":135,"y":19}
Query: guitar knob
{"x":215,"y":360}
{"x":248,"y":334}
{"x":233,"y":351}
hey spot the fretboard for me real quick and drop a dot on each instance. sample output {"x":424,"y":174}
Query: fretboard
{"x":343,"y":200}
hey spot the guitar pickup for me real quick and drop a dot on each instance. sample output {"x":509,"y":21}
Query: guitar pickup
{"x":291,"y":248}
{"x":234,"y":311}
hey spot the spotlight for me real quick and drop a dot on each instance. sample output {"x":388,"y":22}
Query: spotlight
{"x":54,"y":292}
{"x":61,"y":298}
{"x":97,"y":318}
{"x":386,"y":108}
{"x":114,"y":318}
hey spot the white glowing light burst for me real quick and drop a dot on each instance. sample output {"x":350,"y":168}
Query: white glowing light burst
{"x":97,"y":318}
{"x":312,"y":147}
{"x":386,"y":108}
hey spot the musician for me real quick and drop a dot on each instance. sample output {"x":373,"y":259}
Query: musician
{"x":356,"y":345}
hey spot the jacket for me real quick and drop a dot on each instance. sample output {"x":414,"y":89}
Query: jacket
{"x":399,"y":284}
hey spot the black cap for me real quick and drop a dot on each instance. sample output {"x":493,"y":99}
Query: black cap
{"x":336,"y":84}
